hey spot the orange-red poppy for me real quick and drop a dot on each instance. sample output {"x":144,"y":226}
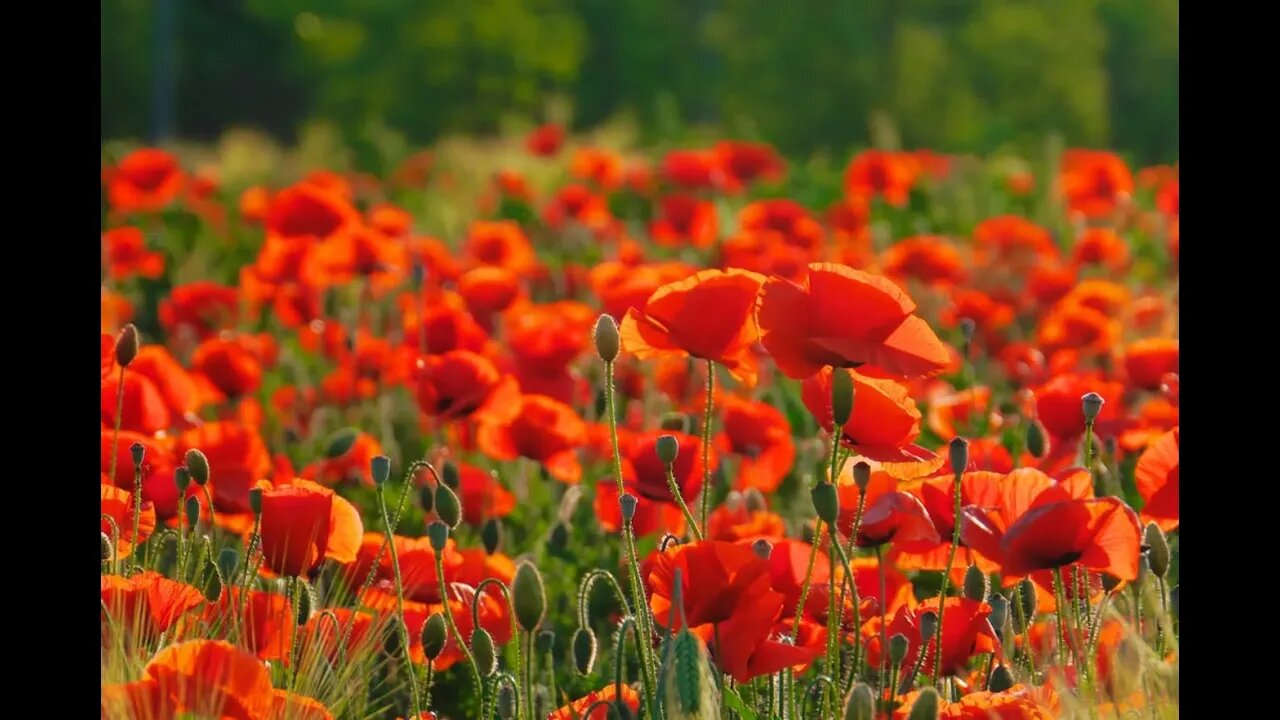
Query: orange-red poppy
{"x":759,"y":435}
{"x":877,"y":173}
{"x":546,"y":338}
{"x":1073,"y":325}
{"x":175,"y":385}
{"x":488,"y":290}
{"x":797,"y":226}
{"x":734,"y":522}
{"x":212,"y":678}
{"x":578,"y":204}
{"x":157,"y":469}
{"x":143,"y":408}
{"x":229,"y":365}
{"x":603,"y":167}
{"x":685,"y":219}
{"x":545,"y":140}
{"x":118,"y":505}
{"x":1101,"y":246}
{"x":930,"y":259}
{"x":966,"y":632}
{"x":145,"y":180}
{"x":607,"y":694}
{"x":147,"y":602}
{"x":691,"y":168}
{"x":360,"y":252}
{"x":352,"y":465}
{"x":1013,"y":240}
{"x":1060,"y":410}
{"x":955,"y":412}
{"x":238,"y":459}
{"x":707,"y":316}
{"x":138,"y":700}
{"x":390,"y":220}
{"x":287,"y":705}
{"x":1094,"y":181}
{"x":743,"y":163}
{"x":652,"y":517}
{"x":303,"y":524}
{"x":127,"y":254}
{"x":263,"y":620}
{"x":1156,"y":477}
{"x":1147,"y":361}
{"x":501,"y":243}
{"x":648,"y":474}
{"x":845,"y":318}
{"x":621,"y":286}
{"x":539,"y":428}
{"x":308,"y":210}
{"x":460,"y":383}
{"x":885,"y":421}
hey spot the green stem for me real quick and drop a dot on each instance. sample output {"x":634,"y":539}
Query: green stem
{"x":706,"y":442}
{"x":857,"y":611}
{"x":1164,"y":613}
{"x":208,"y":498}
{"x":476,"y":685}
{"x":808,"y":579}
{"x":515,"y":633}
{"x":884,"y":630}
{"x":137,"y":509}
{"x":404,"y":629}
{"x":684,"y":509}
{"x":1061,"y":600}
{"x":946,"y":578}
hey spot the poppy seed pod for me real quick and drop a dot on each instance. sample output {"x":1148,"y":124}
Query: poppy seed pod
{"x":305,"y":601}
{"x":862,"y":475}
{"x":545,"y":642}
{"x":491,"y":535}
{"x":1092,"y":404}
{"x":449,"y":473}
{"x":181,"y":478}
{"x":447,"y":506}
{"x":1037,"y":439}
{"x":860,"y":704}
{"x":198,"y":465}
{"x":959,"y":451}
{"x":391,"y":640}
{"x":193,"y":511}
{"x":427,"y":498}
{"x":826,"y":501}
{"x":841,"y":396}
{"x":434,"y":635}
{"x":228,"y":561}
{"x":898,"y":646}
{"x":529,"y":596}
{"x":506,"y":701}
{"x":127,"y":345}
{"x":754,"y":500}
{"x":1027,"y":596}
{"x":928,"y":625}
{"x":255,"y":500}
{"x":138,"y":452}
{"x":762,"y":548}
{"x":675,"y":422}
{"x":584,"y":650}
{"x":667,"y":448}
{"x":482,"y":650}
{"x":438,"y":534}
{"x":1158,"y":550}
{"x":976,"y":584}
{"x":606,"y":338}
{"x":627,"y":503}
{"x":380,"y":469}
{"x":1000,"y":680}
{"x":999,"y":614}
{"x":926,"y":706}
{"x":213,"y":587}
{"x":559,"y":539}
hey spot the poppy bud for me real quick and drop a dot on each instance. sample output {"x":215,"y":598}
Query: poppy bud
{"x":197,"y":465}
{"x":491,"y":535}
{"x":434,"y":635}
{"x":808,"y":533}
{"x":862,"y":475}
{"x":1157,"y":550}
{"x":860,"y":704}
{"x":427,"y":498}
{"x":898,"y":646}
{"x":754,"y":500}
{"x":928,"y":625}
{"x":107,"y":551}
{"x":826,"y":501}
{"x":340,"y":443}
{"x":138,"y":452}
{"x":380,"y":469}
{"x":228,"y":561}
{"x":668,"y":448}
{"x":438,"y":534}
{"x":999,"y":614}
{"x":1110,"y":582}
{"x":529,"y":596}
{"x":1027,"y":596}
{"x":959,"y":450}
{"x":688,"y":688}
{"x":675,"y":422}
{"x":559,"y":536}
{"x":419,"y":274}
{"x":506,"y":701}
{"x":181,"y":478}
{"x":627,"y":502}
{"x":606,"y":338}
{"x":447,"y":506}
{"x":1092,"y":404}
{"x":127,"y":345}
{"x":1000,"y":680}
{"x":391,"y":641}
{"x":975,"y":584}
{"x":584,"y":650}
{"x":1173,"y":601}
{"x":926,"y":706}
{"x":213,"y":587}
{"x":545,"y":642}
{"x":1037,"y":439}
{"x":841,"y":396}
{"x":762,"y":548}
{"x":967,"y":327}
{"x":449,"y":473}
{"x":306,"y":600}
{"x":483,"y":651}
{"x":193,"y":511}
{"x":255,"y":500}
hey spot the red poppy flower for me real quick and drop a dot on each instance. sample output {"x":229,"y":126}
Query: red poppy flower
{"x":1060,"y":410}
{"x":1147,"y":361}
{"x":603,"y":167}
{"x":287,"y":705}
{"x":118,"y":505}
{"x":1094,"y":181}
{"x":147,"y":601}
{"x":264,"y":620}
{"x":845,"y":318}
{"x":1014,"y":240}
{"x":885,"y":421}
{"x":212,"y":678}
{"x":1048,"y":283}
{"x":578,"y":204}
{"x":359,"y":253}
{"x":876,"y":173}
{"x":319,"y":636}
{"x":303,"y":524}
{"x":309,"y":211}
{"x":966,"y":632}
{"x":796,"y":225}
{"x":143,"y":409}
{"x":743,"y":163}
{"x":691,"y":168}
{"x":157,"y":470}
{"x":459,"y":383}
{"x":607,"y":694}
{"x":145,"y":180}
{"x":653,"y":517}
{"x":143,"y":699}
{"x":733,"y":522}
{"x":1101,"y":246}
{"x":1156,"y":476}
{"x":897,"y":517}
{"x":127,"y":254}
{"x":540,"y":428}
{"x":238,"y":459}
{"x":546,"y":338}
{"x":930,"y":259}
{"x":353,"y":465}
{"x":621,"y":287}
{"x":229,"y":365}
{"x":175,"y":385}
{"x":650,"y":474}
{"x":788,"y":564}
{"x":545,"y":140}
{"x":951,"y":411}
{"x":488,"y":290}
{"x":707,"y":316}
{"x":390,"y":220}
{"x":685,"y":219}
{"x":502,"y":244}
{"x":760,"y":436}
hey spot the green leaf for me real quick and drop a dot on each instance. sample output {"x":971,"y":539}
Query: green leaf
{"x":736,"y":704}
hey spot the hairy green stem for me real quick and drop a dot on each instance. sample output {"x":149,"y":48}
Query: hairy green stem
{"x":403,"y":628}
{"x":946,"y":577}
{"x":706,"y":442}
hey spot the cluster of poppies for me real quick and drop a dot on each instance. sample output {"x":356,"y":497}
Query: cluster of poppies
{"x":863,"y":461}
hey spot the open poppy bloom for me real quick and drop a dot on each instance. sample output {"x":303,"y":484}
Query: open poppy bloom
{"x":581,"y":205}
{"x":238,"y":459}
{"x":653,"y":517}
{"x":743,"y":163}
{"x":157,"y":470}
{"x":966,"y":632}
{"x":896,"y":517}
{"x":1101,"y":246}
{"x":310,"y":211}
{"x":541,"y":429}
{"x":1013,"y":240}
{"x":794,"y":225}
{"x":685,"y":219}
{"x":1094,"y":181}
{"x":1016,"y":703}
{"x":725,"y":587}
{"x":500,"y":243}
{"x":287,"y":705}
{"x":147,"y":602}
{"x":488,"y":290}
{"x":877,"y":173}
{"x":143,"y":408}
{"x":351,"y":466}
{"x":885,"y":421}
{"x":734,"y":522}
{"x":303,"y":524}
{"x":930,"y":259}
{"x":841,"y":317}
{"x":1059,"y":408}
{"x":936,"y":494}
{"x":759,"y":435}
{"x":127,"y":254}
{"x":606,"y":694}
{"x":622,"y":286}
{"x":459,"y":383}
{"x":649,"y":477}
{"x":145,"y":180}
{"x":212,"y":678}
{"x":118,"y":505}
{"x":265,"y":625}
{"x":707,"y":316}
{"x":229,"y":365}
{"x":176,"y":386}
{"x":1156,"y":476}
{"x":1147,"y":361}
{"x":545,"y":140}
{"x":482,"y":496}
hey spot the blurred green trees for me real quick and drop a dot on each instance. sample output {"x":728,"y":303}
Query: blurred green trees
{"x":808,"y":75}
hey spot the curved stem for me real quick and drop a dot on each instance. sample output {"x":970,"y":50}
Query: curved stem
{"x":584,"y":592}
{"x":403,"y":628}
{"x":511,"y":611}
{"x":386,"y":540}
{"x":684,"y":509}
{"x":476,"y":684}
{"x":706,"y":442}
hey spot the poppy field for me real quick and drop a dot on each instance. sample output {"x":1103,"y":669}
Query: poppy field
{"x":546,"y":427}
